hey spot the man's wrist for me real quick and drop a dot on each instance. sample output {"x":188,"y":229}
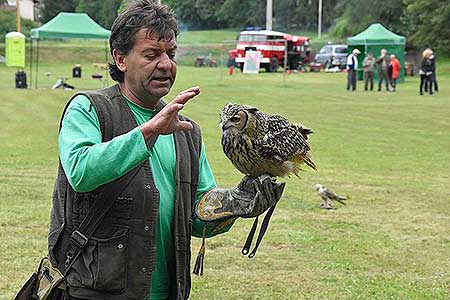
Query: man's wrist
{"x":148,"y":130}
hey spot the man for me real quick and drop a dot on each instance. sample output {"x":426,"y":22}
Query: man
{"x":124,"y":147}
{"x":383,"y":68}
{"x":395,"y":66}
{"x":368,"y":67}
{"x":352,"y":67}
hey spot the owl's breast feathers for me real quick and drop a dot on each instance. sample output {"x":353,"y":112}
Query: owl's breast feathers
{"x":241,"y":150}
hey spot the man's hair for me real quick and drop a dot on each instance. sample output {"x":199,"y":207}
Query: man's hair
{"x":159,"y":20}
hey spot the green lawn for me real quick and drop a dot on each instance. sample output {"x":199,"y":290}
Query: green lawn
{"x":389,"y":152}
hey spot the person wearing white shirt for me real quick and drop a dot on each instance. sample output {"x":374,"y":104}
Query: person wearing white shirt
{"x":352,"y":66}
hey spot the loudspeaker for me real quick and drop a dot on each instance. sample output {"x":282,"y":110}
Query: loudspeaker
{"x":21,"y":80}
{"x":76,"y":72}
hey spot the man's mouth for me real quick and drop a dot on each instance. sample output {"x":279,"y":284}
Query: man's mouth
{"x":161,"y":78}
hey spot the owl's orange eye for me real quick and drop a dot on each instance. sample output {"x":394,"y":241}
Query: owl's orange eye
{"x":235,"y":119}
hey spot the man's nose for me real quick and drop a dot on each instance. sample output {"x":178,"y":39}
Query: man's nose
{"x":164,"y":61}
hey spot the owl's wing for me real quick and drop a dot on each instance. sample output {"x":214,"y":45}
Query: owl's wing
{"x":283,"y":140}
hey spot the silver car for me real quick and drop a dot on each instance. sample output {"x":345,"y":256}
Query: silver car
{"x":338,"y":52}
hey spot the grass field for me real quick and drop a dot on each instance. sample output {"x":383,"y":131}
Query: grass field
{"x":389,"y":152}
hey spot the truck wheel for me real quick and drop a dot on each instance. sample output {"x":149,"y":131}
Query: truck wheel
{"x":273,"y":67}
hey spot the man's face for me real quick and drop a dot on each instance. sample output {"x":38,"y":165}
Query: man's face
{"x":150,"y":68}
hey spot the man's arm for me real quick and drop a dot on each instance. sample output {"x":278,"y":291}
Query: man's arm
{"x":87,"y":161}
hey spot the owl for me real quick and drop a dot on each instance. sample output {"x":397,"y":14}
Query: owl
{"x":259,"y":143}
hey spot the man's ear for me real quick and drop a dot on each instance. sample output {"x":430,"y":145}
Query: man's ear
{"x":119,"y":59}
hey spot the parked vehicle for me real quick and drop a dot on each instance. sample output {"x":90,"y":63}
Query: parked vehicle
{"x":332,"y":55}
{"x":272,"y":45}
{"x":201,"y":61}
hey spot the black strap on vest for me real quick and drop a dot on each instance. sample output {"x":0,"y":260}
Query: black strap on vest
{"x":94,"y":217}
{"x":262,"y":231}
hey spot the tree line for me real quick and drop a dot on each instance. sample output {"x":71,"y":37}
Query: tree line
{"x":425,"y":23}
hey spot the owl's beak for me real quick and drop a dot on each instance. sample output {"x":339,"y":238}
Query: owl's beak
{"x":225,"y":126}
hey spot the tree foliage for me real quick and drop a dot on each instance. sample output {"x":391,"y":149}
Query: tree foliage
{"x":423,"y":22}
{"x":51,"y":8}
{"x":103,"y":12}
{"x":427,"y":24}
{"x":356,"y":15}
{"x":8,"y":23}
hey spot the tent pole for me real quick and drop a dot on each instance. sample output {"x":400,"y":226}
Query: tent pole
{"x":31,"y":63}
{"x":37,"y":65}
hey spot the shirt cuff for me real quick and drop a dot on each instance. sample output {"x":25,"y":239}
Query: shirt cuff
{"x":146,"y":146}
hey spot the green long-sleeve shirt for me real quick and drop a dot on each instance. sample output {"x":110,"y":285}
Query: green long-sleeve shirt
{"x":89,"y":163}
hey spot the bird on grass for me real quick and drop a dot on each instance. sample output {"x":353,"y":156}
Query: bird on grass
{"x":258,"y":143}
{"x":328,"y":196}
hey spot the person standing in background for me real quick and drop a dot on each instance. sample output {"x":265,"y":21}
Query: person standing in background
{"x":395,"y":66}
{"x":426,"y":70}
{"x":383,"y":67}
{"x":352,"y":66}
{"x":433,"y":81}
{"x":369,"y":68}
{"x":231,"y":63}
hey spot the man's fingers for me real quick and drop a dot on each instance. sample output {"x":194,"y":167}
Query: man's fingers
{"x":183,"y":125}
{"x":195,"y":89}
{"x":186,"y":95}
{"x":173,"y":108}
{"x":183,"y":98}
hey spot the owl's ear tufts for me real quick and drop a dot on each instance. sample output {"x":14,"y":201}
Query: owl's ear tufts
{"x":252,"y":109}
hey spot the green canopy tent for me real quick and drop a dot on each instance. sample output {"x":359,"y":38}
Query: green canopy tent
{"x":67,"y":26}
{"x":375,"y":38}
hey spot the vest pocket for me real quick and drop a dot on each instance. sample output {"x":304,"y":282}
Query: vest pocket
{"x":103,"y":264}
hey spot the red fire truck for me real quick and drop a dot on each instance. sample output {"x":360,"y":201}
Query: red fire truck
{"x":272,"y":45}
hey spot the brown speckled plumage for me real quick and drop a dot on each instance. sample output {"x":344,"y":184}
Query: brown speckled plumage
{"x":259,"y":143}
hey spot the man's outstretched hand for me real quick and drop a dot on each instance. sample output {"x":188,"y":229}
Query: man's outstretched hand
{"x":167,"y":121}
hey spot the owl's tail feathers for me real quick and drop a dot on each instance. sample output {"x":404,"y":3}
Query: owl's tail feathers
{"x":305,"y":131}
{"x":308,"y":161}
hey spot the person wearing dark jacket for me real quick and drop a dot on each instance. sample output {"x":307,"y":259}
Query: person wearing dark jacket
{"x":426,"y":70}
{"x":383,"y":70}
{"x":125,"y":141}
{"x":433,"y":82}
{"x":368,"y":68}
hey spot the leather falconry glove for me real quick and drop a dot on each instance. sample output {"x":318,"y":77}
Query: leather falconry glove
{"x":251,"y":198}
